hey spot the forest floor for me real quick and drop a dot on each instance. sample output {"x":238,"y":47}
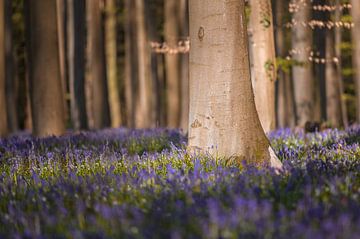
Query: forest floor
{"x":143,"y":184}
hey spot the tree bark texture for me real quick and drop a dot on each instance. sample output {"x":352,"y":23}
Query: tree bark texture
{"x":47,"y":99}
{"x":111,"y":63}
{"x":96,"y":65}
{"x":76,"y":21}
{"x":172,"y":62}
{"x":355,"y":34}
{"x":333,"y":103}
{"x":223,"y":118}
{"x":263,"y":56}
{"x":3,"y":105}
{"x":302,"y":70}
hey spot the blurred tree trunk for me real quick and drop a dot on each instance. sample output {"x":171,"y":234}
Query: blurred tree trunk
{"x":47,"y":101}
{"x":355,"y":34}
{"x":172,"y":63}
{"x":302,"y":70}
{"x":285,"y":104}
{"x":131,"y":64}
{"x":333,"y":107}
{"x":111,"y":63}
{"x":3,"y":105}
{"x":144,"y":110}
{"x":184,"y":60}
{"x":338,"y":40}
{"x":76,"y":21}
{"x":96,"y":65}
{"x":61,"y":25}
{"x":11,"y":84}
{"x":263,"y":55}
{"x":223,"y":117}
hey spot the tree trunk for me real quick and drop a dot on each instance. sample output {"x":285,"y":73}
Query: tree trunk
{"x":263,"y":56}
{"x":302,"y":70}
{"x":111,"y":63}
{"x":355,"y":34}
{"x":338,"y":40}
{"x":96,"y":65}
{"x":47,"y":101}
{"x":11,"y":84}
{"x":333,"y":107}
{"x":223,"y":118}
{"x":184,"y":58}
{"x":131,"y":63}
{"x":144,"y":108}
{"x":172,"y":62}
{"x":61,"y":22}
{"x":3,"y":105}
{"x":285,"y":104}
{"x":76,"y":21}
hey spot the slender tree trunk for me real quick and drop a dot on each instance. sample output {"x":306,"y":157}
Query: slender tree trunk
{"x":130,"y":62}
{"x":338,"y":40}
{"x":172,"y":63}
{"x":302,"y":70}
{"x":355,"y":34}
{"x":11,"y":84}
{"x":333,"y":107}
{"x":262,"y":42}
{"x":111,"y":63}
{"x":47,"y":101}
{"x":184,"y":58}
{"x":223,"y":118}
{"x":144,"y":115}
{"x":3,"y":105}
{"x":285,"y":94}
{"x":96,"y":65}
{"x":76,"y":21}
{"x":61,"y":22}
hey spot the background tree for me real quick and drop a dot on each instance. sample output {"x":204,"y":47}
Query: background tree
{"x":76,"y":22}
{"x":96,"y":65}
{"x":263,"y":61}
{"x":111,"y":62}
{"x":47,"y":101}
{"x":302,"y":69}
{"x":223,"y":117}
{"x":355,"y":34}
{"x":3,"y":112}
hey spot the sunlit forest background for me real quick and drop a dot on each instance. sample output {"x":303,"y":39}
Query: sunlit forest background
{"x":124,"y":64}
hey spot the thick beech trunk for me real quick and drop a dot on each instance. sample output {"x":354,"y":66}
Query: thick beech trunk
{"x":172,"y":61}
{"x":355,"y":34}
{"x":76,"y":21}
{"x":223,"y":118}
{"x":96,"y":65}
{"x":3,"y":111}
{"x":263,"y":56}
{"x":302,"y":70}
{"x":111,"y":63}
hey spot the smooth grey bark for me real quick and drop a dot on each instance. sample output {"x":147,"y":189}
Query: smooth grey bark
{"x":47,"y":99}
{"x":223,"y":120}
{"x":76,"y":22}
{"x":3,"y":111}
{"x":302,"y":70}
{"x":96,"y":65}
{"x":355,"y":34}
